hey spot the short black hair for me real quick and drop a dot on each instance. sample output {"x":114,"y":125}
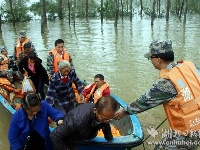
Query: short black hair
{"x":106,"y":102}
{"x":58,"y":41}
{"x":32,"y":55}
{"x":30,"y":100}
{"x":27,"y":45}
{"x":100,"y":76}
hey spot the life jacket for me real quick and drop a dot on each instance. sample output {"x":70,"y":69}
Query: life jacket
{"x":96,"y":94}
{"x":4,"y":66}
{"x":20,"y":47}
{"x":57,"y":57}
{"x":183,"y":111}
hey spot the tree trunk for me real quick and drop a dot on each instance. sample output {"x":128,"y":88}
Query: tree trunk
{"x":102,"y":11}
{"x":12,"y":13}
{"x":74,"y":13}
{"x":153,"y":12}
{"x":181,"y":10}
{"x":186,"y":9}
{"x":69,"y":10}
{"x":1,"y":20}
{"x":141,"y":8}
{"x":122,"y":9}
{"x":167,"y":12}
{"x":43,"y":16}
{"x":159,"y":7}
{"x":116,"y":13}
{"x":60,"y":13}
{"x":86,"y":13}
{"x":131,"y":10}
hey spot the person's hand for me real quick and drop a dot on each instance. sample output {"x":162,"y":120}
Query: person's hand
{"x":49,"y":76}
{"x":120,"y":113}
{"x":60,"y":122}
{"x":25,"y":73}
{"x":81,"y":99}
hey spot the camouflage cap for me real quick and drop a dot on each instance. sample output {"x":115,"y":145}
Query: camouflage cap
{"x":3,"y":49}
{"x":22,"y":34}
{"x":159,"y":47}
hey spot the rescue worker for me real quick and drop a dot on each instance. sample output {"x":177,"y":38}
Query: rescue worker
{"x":19,"y":45}
{"x":4,"y":61}
{"x":57,"y":54}
{"x":94,"y":91}
{"x":178,"y":89}
{"x":25,"y":52}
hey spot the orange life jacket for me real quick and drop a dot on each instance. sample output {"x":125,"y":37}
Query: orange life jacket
{"x":98,"y":93}
{"x":4,"y":66}
{"x":57,"y":57}
{"x":183,"y":111}
{"x":20,"y":47}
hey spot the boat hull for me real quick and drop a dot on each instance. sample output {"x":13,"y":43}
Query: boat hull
{"x":129,"y":127}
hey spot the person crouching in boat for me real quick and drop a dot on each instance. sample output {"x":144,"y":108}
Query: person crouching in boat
{"x":60,"y":92}
{"x":94,"y":91}
{"x":29,"y":127}
{"x":83,"y":122}
{"x":4,"y":61}
{"x":31,"y":65}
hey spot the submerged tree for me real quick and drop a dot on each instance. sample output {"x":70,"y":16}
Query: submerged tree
{"x":43,"y":16}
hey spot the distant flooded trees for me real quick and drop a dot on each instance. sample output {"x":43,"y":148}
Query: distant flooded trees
{"x":20,"y":10}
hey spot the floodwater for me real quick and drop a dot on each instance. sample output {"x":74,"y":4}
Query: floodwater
{"x":117,"y":53}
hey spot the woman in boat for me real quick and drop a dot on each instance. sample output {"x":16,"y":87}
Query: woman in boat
{"x":29,"y":127}
{"x":60,"y":92}
{"x":31,"y":65}
{"x":83,"y":122}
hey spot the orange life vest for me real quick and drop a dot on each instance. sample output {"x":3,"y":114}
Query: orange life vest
{"x":98,"y":93}
{"x":20,"y":47}
{"x":4,"y":66}
{"x":183,"y":111}
{"x":57,"y":57}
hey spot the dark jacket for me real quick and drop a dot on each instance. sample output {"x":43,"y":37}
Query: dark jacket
{"x":19,"y":126}
{"x":39,"y":69}
{"x":79,"y":125}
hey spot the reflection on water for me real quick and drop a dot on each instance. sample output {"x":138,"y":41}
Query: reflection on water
{"x":115,"y":52}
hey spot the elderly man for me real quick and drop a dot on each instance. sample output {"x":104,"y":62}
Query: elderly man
{"x":60,"y":92}
{"x":4,"y":61}
{"x":94,"y":91}
{"x":178,"y":89}
{"x":83,"y":122}
{"x":19,"y":45}
{"x":57,"y":54}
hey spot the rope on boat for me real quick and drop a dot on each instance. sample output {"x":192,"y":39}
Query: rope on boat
{"x":155,"y":129}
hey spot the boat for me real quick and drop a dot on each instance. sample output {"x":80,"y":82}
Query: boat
{"x":129,"y":127}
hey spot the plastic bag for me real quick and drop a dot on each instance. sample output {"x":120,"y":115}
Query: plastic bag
{"x":27,"y":85}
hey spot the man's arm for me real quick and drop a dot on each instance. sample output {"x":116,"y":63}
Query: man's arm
{"x":50,"y":66}
{"x":161,"y":92}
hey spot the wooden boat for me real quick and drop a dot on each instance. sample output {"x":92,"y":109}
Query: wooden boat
{"x":131,"y":133}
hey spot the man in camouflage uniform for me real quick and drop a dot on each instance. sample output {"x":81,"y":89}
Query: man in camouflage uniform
{"x":4,"y":61}
{"x":162,"y":92}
